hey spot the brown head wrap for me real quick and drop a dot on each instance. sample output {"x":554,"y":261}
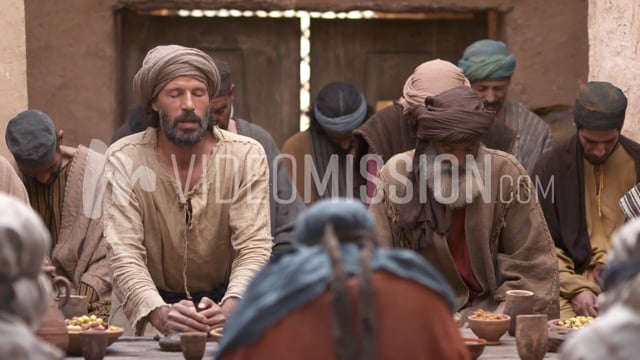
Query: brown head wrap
{"x":165,"y":63}
{"x":428,"y":79}
{"x":600,"y":106}
{"x":454,"y":116}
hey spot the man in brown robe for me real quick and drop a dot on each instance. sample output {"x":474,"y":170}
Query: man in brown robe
{"x":392,"y":130}
{"x":468,"y":209}
{"x":320,"y":159}
{"x":580,"y":184}
{"x":339,"y":296}
{"x":63,"y":187}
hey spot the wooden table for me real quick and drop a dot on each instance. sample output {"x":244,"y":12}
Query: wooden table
{"x":135,"y":348}
{"x":506,"y":349}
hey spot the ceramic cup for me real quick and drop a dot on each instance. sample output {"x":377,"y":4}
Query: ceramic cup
{"x":193,"y":345}
{"x":532,"y":336}
{"x":518,"y":302}
{"x":93,"y":344}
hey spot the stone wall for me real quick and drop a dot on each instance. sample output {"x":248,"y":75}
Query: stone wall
{"x":72,"y":50}
{"x":614,"y":53}
{"x":13,"y":65}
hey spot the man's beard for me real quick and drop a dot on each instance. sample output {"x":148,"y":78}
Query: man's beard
{"x":493,"y":105}
{"x":184,"y":137}
{"x":599,"y":160}
{"x":443,"y":183}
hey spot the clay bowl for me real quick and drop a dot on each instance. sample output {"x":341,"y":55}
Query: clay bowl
{"x":555,"y":327}
{"x":490,"y":330}
{"x":475,"y":346}
{"x":74,"y":340}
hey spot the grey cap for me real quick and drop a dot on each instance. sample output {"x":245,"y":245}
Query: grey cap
{"x":31,"y":138}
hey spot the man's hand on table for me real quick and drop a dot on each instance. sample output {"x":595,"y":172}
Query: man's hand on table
{"x":183,"y":316}
{"x":585,"y":303}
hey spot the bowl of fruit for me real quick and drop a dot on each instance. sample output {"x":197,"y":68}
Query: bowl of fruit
{"x":77,"y":324}
{"x":564,"y":326}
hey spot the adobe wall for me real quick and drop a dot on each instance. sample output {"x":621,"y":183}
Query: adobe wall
{"x":13,"y":66}
{"x":72,"y":57}
{"x":614,"y":38}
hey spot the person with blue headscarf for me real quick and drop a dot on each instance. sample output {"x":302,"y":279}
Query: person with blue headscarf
{"x":322,"y":152}
{"x":340,"y":296}
{"x":488,"y":65}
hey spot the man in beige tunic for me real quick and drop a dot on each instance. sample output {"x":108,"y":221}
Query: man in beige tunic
{"x":186,"y":206}
{"x":468,"y":209}
{"x":63,"y":187}
{"x":10,"y":183}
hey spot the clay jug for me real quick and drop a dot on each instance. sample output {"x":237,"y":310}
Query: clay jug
{"x":52,"y":327}
{"x":518,"y":302}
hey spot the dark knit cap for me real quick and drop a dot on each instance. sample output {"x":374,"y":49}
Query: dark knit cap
{"x":600,"y":106}
{"x":31,"y":138}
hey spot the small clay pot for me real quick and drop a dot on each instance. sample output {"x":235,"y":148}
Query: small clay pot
{"x":193,"y":345}
{"x":76,"y":306}
{"x":93,"y":344}
{"x":52,"y":327}
{"x":518,"y":302}
{"x":532,"y":336}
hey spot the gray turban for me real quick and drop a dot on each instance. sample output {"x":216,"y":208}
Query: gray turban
{"x":165,"y":63}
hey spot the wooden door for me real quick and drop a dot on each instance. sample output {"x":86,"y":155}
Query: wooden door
{"x":263,"y":55}
{"x":378,"y":55}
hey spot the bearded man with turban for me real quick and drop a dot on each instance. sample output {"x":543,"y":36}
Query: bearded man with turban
{"x":580,"y":184}
{"x":392,"y":130}
{"x":340,"y":296}
{"x":469,"y":210}
{"x":186,"y":205}
{"x":488,"y":65}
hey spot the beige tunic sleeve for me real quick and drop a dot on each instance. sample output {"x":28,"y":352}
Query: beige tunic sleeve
{"x":124,"y":232}
{"x":10,"y":183}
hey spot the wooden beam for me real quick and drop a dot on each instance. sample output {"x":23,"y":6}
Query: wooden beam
{"x":492,"y":24}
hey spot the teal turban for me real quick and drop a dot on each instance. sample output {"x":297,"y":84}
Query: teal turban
{"x":487,"y":60}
